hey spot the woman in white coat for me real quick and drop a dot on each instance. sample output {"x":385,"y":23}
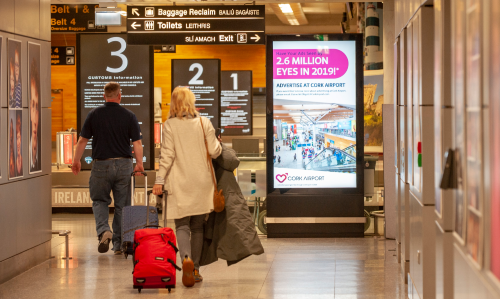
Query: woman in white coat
{"x":186,"y":176}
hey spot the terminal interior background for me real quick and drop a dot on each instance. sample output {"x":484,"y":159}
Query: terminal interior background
{"x":431,"y":86}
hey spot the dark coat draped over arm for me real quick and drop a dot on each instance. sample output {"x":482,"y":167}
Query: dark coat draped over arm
{"x":230,"y":234}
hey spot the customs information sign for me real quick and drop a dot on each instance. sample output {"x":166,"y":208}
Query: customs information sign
{"x":107,"y":57}
{"x":196,"y":25}
{"x":236,"y":102}
{"x":74,"y":18}
{"x":202,"y":76}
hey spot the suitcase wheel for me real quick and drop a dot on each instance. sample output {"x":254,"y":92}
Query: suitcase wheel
{"x":139,"y":289}
{"x":169,"y":289}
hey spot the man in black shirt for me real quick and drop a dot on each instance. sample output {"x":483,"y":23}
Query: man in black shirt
{"x":111,"y":128}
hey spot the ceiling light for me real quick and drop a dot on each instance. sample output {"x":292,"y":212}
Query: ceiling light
{"x":286,"y":8}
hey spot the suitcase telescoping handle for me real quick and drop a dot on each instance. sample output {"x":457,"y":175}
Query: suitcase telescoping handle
{"x":163,"y":198}
{"x":132,"y":188}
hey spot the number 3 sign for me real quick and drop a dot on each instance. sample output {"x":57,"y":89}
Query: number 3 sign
{"x":119,"y":54}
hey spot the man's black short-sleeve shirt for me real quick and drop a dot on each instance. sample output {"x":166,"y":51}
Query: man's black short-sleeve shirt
{"x":111,"y":128}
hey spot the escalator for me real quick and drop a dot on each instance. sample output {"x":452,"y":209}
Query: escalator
{"x":333,"y":159}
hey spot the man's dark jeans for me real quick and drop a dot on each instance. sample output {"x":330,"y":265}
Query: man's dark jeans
{"x":106,"y":176}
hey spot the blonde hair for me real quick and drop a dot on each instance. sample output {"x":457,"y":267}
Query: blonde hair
{"x":182,"y":103}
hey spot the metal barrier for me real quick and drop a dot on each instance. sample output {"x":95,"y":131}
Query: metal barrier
{"x":376,"y":215}
{"x":64,"y":233}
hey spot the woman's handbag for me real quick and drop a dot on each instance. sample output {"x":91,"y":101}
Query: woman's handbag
{"x":219,"y":201}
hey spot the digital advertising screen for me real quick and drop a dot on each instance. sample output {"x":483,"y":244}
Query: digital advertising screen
{"x":317,"y":111}
{"x":108,"y":57}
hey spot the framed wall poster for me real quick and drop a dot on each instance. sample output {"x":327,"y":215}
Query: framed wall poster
{"x":473,"y":131}
{"x":15,"y":143}
{"x":494,"y":73}
{"x":15,"y":115}
{"x":459,"y":97}
{"x":34,"y":108}
{"x":373,"y":101}
{"x":1,"y":142}
{"x":14,"y":73}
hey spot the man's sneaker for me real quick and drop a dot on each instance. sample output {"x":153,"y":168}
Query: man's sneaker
{"x":104,"y":241}
{"x":197,"y":276}
{"x":118,"y":252}
{"x":187,"y":272}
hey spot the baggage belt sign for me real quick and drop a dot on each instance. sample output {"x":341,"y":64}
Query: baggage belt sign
{"x":196,"y":25}
{"x":80,"y":197}
{"x":74,"y":18}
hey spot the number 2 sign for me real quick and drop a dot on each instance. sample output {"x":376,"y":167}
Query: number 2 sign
{"x":202,"y":76}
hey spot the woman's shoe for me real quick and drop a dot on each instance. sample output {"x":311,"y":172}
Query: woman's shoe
{"x":188,"y":272}
{"x":197,"y":276}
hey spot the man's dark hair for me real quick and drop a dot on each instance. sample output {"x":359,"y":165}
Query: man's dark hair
{"x":112,"y":89}
{"x":35,"y":76}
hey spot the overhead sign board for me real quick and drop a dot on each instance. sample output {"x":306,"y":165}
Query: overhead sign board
{"x":202,"y":76}
{"x":62,"y":56}
{"x":74,"y":18}
{"x":236,"y":102}
{"x":196,"y":25}
{"x":107,"y":57}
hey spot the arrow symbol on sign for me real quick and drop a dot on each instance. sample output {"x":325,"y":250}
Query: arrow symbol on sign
{"x":135,"y":11}
{"x":256,"y":38}
{"x":135,"y":25}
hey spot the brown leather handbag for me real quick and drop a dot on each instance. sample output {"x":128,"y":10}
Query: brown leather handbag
{"x":219,"y":200}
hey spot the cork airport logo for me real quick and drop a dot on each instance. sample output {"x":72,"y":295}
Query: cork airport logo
{"x":88,"y":160}
{"x":282,"y":177}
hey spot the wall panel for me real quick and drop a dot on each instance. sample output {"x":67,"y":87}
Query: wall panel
{"x":8,"y":215}
{"x":27,"y":18}
{"x":45,"y":20}
{"x":3,"y":147}
{"x":3,"y":70}
{"x":25,"y":208}
{"x":7,"y":15}
{"x":45,"y":73}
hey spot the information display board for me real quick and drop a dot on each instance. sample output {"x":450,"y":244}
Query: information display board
{"x":74,"y":18}
{"x":108,"y":57}
{"x":62,"y":56}
{"x":196,"y":25}
{"x":202,"y":76}
{"x":316,"y":99}
{"x":236,"y":102}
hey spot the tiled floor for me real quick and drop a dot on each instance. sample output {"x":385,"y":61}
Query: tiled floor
{"x":290,"y":268}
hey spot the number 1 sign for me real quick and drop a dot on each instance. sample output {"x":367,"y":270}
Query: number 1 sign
{"x":202,"y":76}
{"x":236,"y":102}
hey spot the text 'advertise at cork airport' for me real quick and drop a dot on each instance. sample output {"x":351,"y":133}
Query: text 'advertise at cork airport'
{"x":196,"y":25}
{"x":74,"y":18}
{"x":236,"y":102}
{"x":314,"y":123}
{"x":108,"y":57}
{"x":202,"y":77}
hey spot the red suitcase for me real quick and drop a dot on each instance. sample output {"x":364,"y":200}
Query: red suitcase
{"x":155,"y":253}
